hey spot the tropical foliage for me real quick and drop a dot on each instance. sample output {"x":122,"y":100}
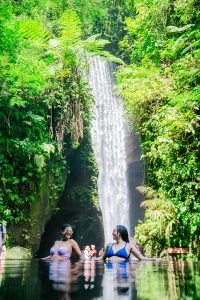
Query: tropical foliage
{"x":161,"y":91}
{"x":45,"y":100}
{"x":34,"y":110}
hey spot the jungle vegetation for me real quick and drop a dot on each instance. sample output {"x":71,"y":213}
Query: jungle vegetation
{"x":45,"y":102}
{"x":161,"y":88}
{"x":159,"y":42}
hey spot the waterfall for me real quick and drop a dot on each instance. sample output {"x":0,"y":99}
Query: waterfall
{"x":111,"y":143}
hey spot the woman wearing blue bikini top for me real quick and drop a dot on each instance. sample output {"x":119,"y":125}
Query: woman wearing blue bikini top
{"x":121,"y":249}
{"x":63,"y":249}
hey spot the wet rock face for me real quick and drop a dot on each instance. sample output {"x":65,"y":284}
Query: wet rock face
{"x":77,"y":206}
{"x":85,"y":221}
{"x":40,"y":211}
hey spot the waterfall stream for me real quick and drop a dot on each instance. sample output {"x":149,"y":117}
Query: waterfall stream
{"x":111,"y":143}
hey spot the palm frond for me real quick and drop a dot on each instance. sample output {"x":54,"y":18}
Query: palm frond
{"x":169,"y":227}
{"x":158,"y":214}
{"x":147,"y":191}
{"x":158,"y":203}
{"x":157,"y":206}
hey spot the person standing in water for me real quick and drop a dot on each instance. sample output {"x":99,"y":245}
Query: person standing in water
{"x":2,"y":240}
{"x":86,"y":253}
{"x":120,"y":250}
{"x":63,"y":249}
{"x":93,"y":251}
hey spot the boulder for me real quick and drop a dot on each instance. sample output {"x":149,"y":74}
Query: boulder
{"x":18,"y":253}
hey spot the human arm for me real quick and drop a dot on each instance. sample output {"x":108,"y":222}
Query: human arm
{"x":76,"y":248}
{"x":46,"y":257}
{"x":103,"y":255}
{"x":139,"y":255}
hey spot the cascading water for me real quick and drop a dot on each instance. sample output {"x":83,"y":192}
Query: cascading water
{"x":110,"y":135}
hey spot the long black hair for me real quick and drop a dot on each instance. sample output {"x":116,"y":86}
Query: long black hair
{"x":123,"y":232}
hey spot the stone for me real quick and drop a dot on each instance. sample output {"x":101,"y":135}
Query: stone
{"x":18,"y":253}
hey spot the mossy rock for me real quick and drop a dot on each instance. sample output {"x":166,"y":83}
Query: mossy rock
{"x":18,"y":253}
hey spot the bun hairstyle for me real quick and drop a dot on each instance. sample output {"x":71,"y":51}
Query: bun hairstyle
{"x":123,"y":232}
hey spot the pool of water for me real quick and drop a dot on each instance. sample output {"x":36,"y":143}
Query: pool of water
{"x":35,"y":280}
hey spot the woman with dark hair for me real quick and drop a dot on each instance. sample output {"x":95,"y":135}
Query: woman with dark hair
{"x":63,"y":249}
{"x":122,"y":248}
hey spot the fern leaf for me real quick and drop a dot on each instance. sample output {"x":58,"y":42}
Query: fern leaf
{"x":33,"y":30}
{"x":110,"y":57}
{"x":70,"y":26}
{"x":95,"y":45}
{"x":92,"y":44}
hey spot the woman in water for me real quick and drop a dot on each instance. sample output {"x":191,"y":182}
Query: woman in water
{"x":63,"y":249}
{"x":121,"y":249}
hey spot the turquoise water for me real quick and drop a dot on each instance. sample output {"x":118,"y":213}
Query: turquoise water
{"x":35,"y":280}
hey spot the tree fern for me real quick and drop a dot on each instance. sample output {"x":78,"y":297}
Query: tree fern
{"x":33,"y":30}
{"x":70,"y":26}
{"x":95,"y":45}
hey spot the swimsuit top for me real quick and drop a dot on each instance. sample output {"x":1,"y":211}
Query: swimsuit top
{"x":120,"y":253}
{"x":62,"y":251}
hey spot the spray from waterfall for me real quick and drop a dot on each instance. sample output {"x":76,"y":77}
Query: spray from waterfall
{"x":109,"y":135}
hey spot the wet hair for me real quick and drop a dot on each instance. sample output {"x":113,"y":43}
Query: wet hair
{"x":123,"y":232}
{"x":64,"y":226}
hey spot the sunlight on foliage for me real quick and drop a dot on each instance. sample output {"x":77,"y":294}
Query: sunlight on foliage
{"x":161,"y":92}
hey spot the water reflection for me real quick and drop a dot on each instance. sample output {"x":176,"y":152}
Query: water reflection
{"x":89,"y":274}
{"x":77,"y":279}
{"x":2,"y":263}
{"x":90,"y":280}
{"x":60,"y":274}
{"x":116,"y":283}
{"x":168,"y":280}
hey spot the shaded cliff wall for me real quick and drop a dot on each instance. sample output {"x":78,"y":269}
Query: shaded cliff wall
{"x":78,"y":204}
{"x":28,"y":234}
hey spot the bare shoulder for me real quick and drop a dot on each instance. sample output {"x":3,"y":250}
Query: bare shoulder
{"x":134,"y":245}
{"x":129,"y":246}
{"x":56,"y":243}
{"x":73,"y":242}
{"x":108,"y":245}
